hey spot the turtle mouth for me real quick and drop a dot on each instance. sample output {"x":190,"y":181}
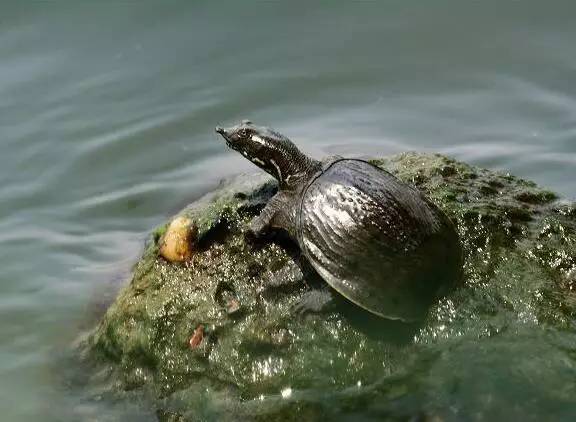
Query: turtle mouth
{"x":226,"y":135}
{"x":222,"y":132}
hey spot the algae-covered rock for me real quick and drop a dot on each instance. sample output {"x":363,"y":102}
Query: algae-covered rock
{"x":216,"y":338}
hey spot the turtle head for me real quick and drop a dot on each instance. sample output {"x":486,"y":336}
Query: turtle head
{"x":268,"y":149}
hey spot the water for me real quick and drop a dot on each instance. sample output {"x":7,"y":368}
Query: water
{"x":107,"y":112}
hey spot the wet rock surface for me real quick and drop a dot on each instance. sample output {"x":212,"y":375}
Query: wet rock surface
{"x":218,"y":338}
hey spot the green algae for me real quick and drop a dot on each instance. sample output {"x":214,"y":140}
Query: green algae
{"x":490,"y":349}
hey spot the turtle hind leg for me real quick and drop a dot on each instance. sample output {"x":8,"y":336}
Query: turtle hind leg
{"x":318,"y":296}
{"x":319,"y":300}
{"x":289,"y":274}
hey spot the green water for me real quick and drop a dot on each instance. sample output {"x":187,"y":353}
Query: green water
{"x":107,"y":112}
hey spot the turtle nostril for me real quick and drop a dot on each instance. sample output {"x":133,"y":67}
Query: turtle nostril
{"x":219,"y":130}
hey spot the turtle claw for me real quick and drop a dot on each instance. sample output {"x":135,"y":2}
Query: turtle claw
{"x":258,"y":226}
{"x":255,"y":239}
{"x":257,"y":233}
{"x":250,"y":237}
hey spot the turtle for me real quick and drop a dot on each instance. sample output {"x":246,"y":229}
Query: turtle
{"x":376,"y":240}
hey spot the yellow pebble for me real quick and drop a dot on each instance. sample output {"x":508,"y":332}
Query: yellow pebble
{"x":179,"y":241}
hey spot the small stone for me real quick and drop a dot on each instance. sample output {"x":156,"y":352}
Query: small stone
{"x":179,"y":241}
{"x":197,"y":337}
{"x":232,"y":306}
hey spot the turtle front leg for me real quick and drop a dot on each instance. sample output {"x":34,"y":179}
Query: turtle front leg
{"x":270,"y":216}
{"x":259,"y":225}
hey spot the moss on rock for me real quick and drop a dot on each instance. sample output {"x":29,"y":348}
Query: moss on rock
{"x":259,"y":360}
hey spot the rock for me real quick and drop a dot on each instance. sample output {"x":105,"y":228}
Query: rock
{"x":179,"y":240}
{"x":341,"y":362}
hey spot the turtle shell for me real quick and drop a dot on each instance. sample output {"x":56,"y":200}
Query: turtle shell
{"x":376,"y":240}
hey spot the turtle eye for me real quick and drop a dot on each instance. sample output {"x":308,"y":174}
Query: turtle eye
{"x":243,"y":133}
